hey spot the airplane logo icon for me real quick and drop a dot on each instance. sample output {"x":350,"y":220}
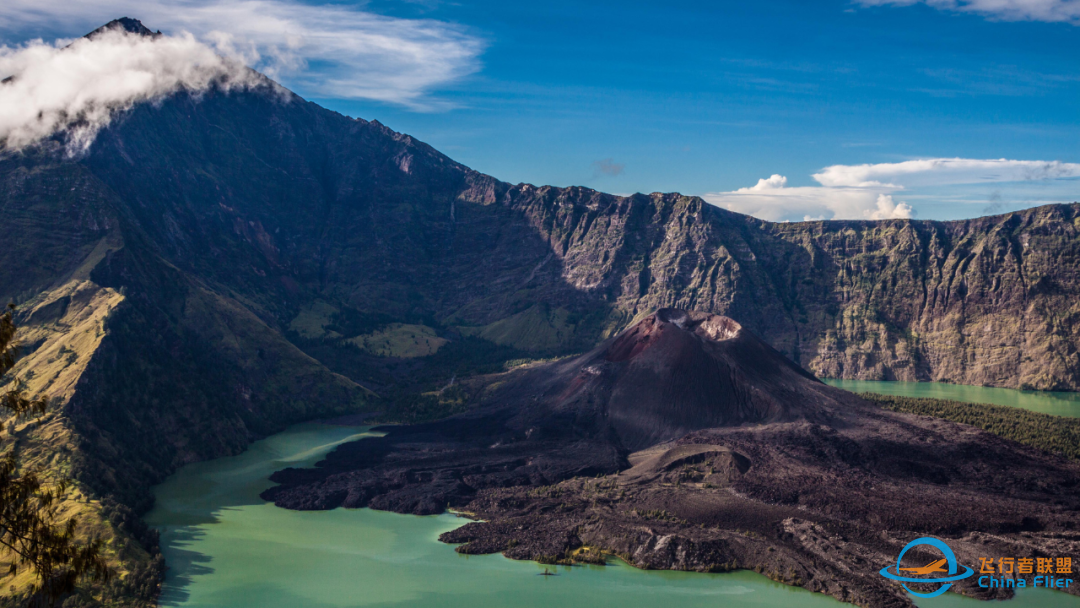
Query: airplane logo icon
{"x":943,"y":571}
{"x":930,"y":568}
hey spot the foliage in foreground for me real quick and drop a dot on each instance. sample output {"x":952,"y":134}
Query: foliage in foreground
{"x":1054,"y":434}
{"x":31,"y":503}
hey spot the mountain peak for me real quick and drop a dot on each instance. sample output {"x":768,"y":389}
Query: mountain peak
{"x":127,"y":24}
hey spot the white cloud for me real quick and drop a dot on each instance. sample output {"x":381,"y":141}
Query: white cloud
{"x":886,"y":209}
{"x":76,"y":89}
{"x":326,"y":50}
{"x":943,"y":171}
{"x":774,"y":182}
{"x":772,"y":200}
{"x":868,"y":191}
{"x":1066,"y":11}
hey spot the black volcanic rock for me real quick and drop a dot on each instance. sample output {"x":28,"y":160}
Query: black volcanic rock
{"x":687,"y":443}
{"x":672,"y":373}
{"x":677,"y":371}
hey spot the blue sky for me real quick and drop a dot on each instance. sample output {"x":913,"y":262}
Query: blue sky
{"x":675,"y":96}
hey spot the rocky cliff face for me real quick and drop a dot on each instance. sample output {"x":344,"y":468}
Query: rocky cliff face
{"x":223,"y":220}
{"x":990,"y":301}
{"x":281,"y":202}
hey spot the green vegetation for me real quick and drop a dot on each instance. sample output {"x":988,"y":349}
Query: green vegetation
{"x":410,"y":360}
{"x":589,"y":555}
{"x":313,"y":320}
{"x":410,"y":408}
{"x":411,"y":393}
{"x":352,"y":322}
{"x":1053,"y":434}
{"x":536,"y":329}
{"x":467,"y":357}
{"x":400,"y":340}
{"x":546,"y":331}
{"x":459,"y":358}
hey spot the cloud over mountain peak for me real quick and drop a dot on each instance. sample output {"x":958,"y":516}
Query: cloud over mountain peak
{"x":77,"y":88}
{"x":319,"y":50}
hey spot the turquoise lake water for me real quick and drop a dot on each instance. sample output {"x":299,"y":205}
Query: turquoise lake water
{"x":226,"y":548}
{"x":1057,"y":404}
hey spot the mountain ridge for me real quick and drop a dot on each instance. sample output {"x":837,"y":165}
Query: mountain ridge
{"x":597,"y":261}
{"x":389,"y":225}
{"x":160,"y":278}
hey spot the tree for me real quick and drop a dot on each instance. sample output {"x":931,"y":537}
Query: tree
{"x":30,"y":503}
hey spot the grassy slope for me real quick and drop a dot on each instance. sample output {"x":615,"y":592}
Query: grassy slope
{"x":63,"y":328}
{"x":311,"y":322}
{"x":120,"y":419}
{"x":403,"y":340}
{"x":49,"y":444}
